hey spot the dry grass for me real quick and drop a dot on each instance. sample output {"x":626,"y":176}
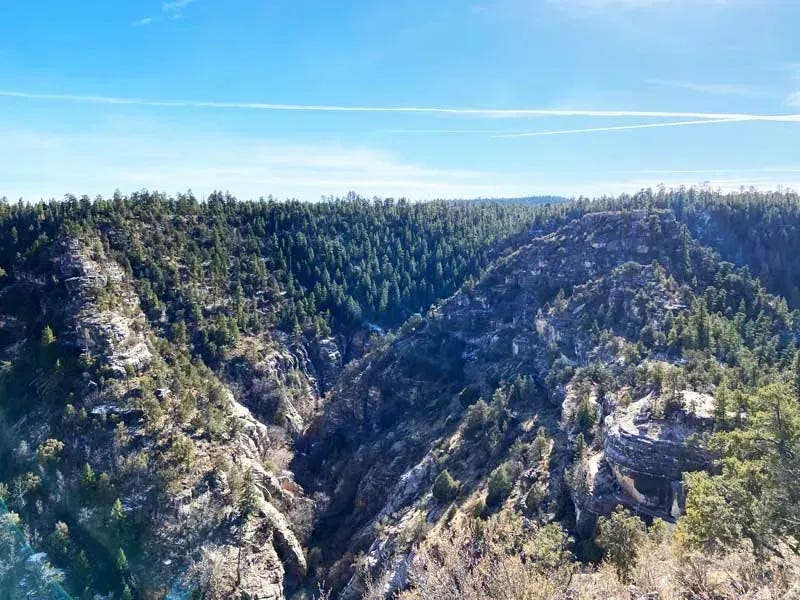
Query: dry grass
{"x":665,"y":572}
{"x":492,"y":561}
{"x":466,"y":562}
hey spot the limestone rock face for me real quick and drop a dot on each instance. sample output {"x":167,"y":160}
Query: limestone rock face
{"x":108,"y":321}
{"x":284,"y":538}
{"x":644,"y":456}
{"x":589,"y":247}
{"x":194,"y":532}
{"x":329,"y":359}
{"x":649,"y":455}
{"x":276,"y":381}
{"x":224,"y":571}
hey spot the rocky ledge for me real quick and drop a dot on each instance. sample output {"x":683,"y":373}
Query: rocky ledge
{"x":647,"y":448}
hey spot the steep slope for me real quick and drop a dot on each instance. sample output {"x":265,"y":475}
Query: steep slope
{"x":600,"y":332}
{"x":137,"y":467}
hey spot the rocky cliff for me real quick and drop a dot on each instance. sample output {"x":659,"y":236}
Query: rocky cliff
{"x":566,"y":336}
{"x":141,"y":425}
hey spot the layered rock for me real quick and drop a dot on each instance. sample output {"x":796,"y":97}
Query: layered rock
{"x":644,"y":456}
{"x":648,"y":455}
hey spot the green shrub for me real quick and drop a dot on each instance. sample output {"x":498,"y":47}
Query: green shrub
{"x":445,"y":488}
{"x":500,"y":484}
{"x":550,"y":546}
{"x":540,"y":445}
{"x":476,"y":419}
{"x":534,"y":498}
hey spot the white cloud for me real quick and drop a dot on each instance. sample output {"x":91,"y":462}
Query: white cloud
{"x":648,"y":20}
{"x":524,"y":134}
{"x":603,"y":3}
{"x":43,"y":164}
{"x":793,"y":99}
{"x":35,"y":165}
{"x":175,"y":5}
{"x":594,"y":7}
{"x":720,"y":89}
{"x":633,"y":4}
{"x":172,"y":10}
{"x":741,"y":171}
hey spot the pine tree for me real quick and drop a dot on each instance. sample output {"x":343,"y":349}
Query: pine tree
{"x":81,"y":571}
{"x":88,"y":478}
{"x":586,"y":415}
{"x":500,"y":485}
{"x":721,"y":407}
{"x":620,"y":537}
{"x":121,"y":561}
{"x":59,"y":543}
{"x":118,"y":524}
{"x":580,"y":446}
{"x":540,"y":445}
{"x":248,"y":496}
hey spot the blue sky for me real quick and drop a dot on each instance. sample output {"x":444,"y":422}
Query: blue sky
{"x":247,"y":96}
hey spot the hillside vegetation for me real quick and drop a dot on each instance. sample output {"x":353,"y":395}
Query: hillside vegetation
{"x":586,"y":399}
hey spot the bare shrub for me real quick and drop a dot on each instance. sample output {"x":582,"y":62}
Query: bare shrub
{"x":474,"y":563}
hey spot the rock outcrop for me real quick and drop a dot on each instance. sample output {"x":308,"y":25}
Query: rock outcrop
{"x":107,"y":319}
{"x":329,"y":359}
{"x":647,"y":447}
{"x":277,"y":381}
{"x":648,"y":455}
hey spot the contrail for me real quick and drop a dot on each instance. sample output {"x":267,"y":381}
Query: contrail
{"x":620,"y":128}
{"x":517,"y":134}
{"x":493,"y":132}
{"x":474,"y":112}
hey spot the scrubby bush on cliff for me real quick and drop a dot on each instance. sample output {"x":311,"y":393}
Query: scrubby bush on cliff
{"x":500,"y":485}
{"x":493,"y":562}
{"x":445,"y":488}
{"x":475,"y":420}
